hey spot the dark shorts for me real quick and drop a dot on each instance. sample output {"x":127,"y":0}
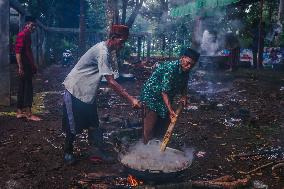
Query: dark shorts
{"x":155,"y":123}
{"x":78,"y":115}
{"x":25,"y":92}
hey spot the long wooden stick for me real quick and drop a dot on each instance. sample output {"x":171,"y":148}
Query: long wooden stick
{"x":169,"y":132}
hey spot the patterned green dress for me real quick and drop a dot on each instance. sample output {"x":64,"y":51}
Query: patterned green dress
{"x":168,"y":78}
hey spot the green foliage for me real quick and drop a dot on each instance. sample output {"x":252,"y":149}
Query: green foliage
{"x":281,"y":39}
{"x":152,"y":11}
{"x":96,"y":15}
{"x":54,"y":13}
{"x":66,"y":44}
{"x":126,"y":51}
{"x":142,"y":25}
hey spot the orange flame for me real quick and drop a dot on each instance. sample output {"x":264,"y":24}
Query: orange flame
{"x":133,"y":181}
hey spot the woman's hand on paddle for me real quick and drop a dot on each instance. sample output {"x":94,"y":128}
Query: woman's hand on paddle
{"x":173,"y":116}
{"x":183,"y":100}
{"x":136,"y":103}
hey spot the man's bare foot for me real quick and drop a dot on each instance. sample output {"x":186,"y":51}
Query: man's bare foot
{"x":20,"y":114}
{"x":32,"y":117}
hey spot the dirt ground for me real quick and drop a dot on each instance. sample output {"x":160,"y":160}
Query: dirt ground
{"x":234,"y":123}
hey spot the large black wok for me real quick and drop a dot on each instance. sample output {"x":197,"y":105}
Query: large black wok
{"x":158,"y":176}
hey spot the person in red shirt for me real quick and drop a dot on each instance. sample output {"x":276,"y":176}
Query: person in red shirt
{"x":26,"y":70}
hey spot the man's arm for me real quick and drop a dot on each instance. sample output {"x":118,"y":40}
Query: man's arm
{"x":168,"y":105}
{"x":18,"y":49}
{"x":122,"y":92}
{"x":20,"y":65}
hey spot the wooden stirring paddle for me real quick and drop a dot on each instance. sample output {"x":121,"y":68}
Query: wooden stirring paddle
{"x":169,"y":132}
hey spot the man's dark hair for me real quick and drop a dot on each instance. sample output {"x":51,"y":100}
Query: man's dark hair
{"x":119,"y":31}
{"x":190,"y":53}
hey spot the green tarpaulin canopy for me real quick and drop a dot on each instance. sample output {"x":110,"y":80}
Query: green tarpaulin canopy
{"x":193,"y":7}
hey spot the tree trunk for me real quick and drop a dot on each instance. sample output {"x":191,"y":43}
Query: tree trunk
{"x":143,"y":47}
{"x":139,"y":43}
{"x":82,"y":27}
{"x":281,"y":11}
{"x":163,"y":41}
{"x":163,"y":20}
{"x":260,"y":38}
{"x":148,"y":46}
{"x":280,"y":20}
{"x":124,"y":7}
{"x":109,"y":15}
{"x":197,"y":35}
{"x":4,"y":53}
{"x":170,"y":45}
{"x":116,"y":11}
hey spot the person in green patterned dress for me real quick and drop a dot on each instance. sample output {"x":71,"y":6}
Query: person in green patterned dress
{"x":168,"y":80}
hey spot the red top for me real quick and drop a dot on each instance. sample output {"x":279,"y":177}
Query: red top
{"x":23,"y":47}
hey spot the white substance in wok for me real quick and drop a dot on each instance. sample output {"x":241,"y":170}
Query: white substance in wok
{"x":143,"y":157}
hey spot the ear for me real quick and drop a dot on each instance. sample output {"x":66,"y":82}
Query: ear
{"x":111,"y":37}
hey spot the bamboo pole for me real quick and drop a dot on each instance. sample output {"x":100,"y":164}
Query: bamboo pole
{"x":170,"y":130}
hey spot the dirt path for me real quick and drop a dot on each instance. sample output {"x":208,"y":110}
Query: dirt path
{"x":229,"y":114}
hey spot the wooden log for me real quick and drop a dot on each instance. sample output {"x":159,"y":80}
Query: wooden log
{"x":218,"y":184}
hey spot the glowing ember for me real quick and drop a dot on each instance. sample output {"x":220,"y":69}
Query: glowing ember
{"x":133,"y":181}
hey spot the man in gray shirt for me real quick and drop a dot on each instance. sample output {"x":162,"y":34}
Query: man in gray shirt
{"x":81,"y":86}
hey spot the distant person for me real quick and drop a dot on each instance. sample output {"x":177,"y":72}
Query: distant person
{"x":273,"y":56}
{"x":168,"y":80}
{"x":26,"y":70}
{"x":235,"y":57}
{"x":233,"y":44}
{"x":81,"y":87}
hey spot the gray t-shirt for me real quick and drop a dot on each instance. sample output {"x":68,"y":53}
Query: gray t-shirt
{"x":83,"y":80}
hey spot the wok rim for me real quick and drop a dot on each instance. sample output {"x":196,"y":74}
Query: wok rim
{"x":160,"y":171}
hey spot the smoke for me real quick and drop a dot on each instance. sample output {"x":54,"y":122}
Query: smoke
{"x":212,"y":32}
{"x":143,"y":157}
{"x":276,"y":29}
{"x":209,"y":45}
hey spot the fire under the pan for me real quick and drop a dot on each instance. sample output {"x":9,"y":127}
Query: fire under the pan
{"x":149,"y":157}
